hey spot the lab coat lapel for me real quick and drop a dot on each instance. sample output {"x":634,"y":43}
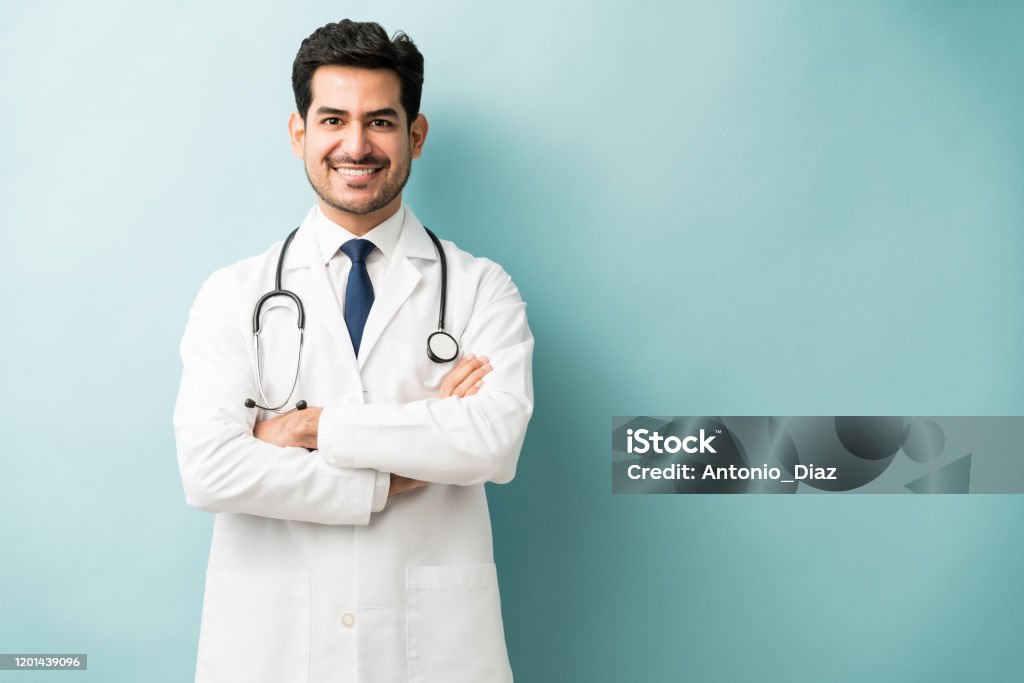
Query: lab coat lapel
{"x":399,"y":282}
{"x":318,"y":297}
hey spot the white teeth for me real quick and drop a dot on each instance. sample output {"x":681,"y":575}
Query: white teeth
{"x":356,"y":172}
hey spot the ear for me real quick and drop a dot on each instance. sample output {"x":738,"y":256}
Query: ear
{"x":297,"y":134}
{"x":418,"y":135}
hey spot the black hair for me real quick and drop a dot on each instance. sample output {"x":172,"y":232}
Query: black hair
{"x":362,"y":44}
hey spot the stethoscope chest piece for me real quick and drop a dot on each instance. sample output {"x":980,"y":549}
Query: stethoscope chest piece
{"x":442,"y":347}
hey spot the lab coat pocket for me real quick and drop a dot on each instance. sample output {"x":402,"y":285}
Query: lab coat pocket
{"x":255,"y":628}
{"x":454,"y":625}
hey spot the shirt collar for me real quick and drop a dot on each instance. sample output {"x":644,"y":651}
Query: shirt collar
{"x":330,"y":236}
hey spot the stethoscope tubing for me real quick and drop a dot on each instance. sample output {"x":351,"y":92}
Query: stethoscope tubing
{"x":279,"y":291}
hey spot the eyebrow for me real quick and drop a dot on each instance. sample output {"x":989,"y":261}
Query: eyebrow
{"x":386,"y":111}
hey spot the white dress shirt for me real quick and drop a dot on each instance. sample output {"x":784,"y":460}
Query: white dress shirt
{"x":331,"y":236}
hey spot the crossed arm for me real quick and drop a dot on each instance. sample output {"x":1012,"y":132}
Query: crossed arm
{"x":299,"y":428}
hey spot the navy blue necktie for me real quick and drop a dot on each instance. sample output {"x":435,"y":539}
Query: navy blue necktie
{"x":359,"y":291}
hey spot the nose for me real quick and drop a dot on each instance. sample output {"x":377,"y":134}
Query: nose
{"x":356,"y":143}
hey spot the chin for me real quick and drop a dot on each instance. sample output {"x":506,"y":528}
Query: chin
{"x":357,"y":208}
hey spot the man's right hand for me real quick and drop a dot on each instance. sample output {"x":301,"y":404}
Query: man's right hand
{"x":465,"y":379}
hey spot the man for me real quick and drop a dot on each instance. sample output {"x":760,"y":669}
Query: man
{"x":352,"y":540}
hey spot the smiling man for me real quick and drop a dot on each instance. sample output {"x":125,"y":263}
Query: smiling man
{"x":345,"y":452}
{"x":362,"y":171}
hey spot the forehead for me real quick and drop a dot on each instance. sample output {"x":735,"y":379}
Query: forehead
{"x":353,"y":89}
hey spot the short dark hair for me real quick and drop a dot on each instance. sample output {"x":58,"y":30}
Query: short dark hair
{"x":362,"y":44}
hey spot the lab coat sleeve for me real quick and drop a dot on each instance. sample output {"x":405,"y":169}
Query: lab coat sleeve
{"x":460,"y":441}
{"x":223,"y":467}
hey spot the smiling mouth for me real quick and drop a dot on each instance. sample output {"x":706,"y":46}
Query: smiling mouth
{"x":357,"y":173}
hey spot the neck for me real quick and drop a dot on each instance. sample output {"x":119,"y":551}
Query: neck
{"x":360,"y":224}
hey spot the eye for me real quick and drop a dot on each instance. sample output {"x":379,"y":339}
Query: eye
{"x":380,"y":123}
{"x":332,"y":121}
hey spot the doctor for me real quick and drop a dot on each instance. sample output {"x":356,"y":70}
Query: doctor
{"x":352,"y":540}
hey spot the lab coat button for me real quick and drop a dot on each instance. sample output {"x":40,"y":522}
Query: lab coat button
{"x":348,"y":620}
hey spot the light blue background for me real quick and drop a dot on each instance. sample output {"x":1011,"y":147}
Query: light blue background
{"x":711,"y":208}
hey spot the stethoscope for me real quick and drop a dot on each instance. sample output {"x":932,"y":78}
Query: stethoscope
{"x":441,"y":346}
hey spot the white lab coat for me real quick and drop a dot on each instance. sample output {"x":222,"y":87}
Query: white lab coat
{"x":307,"y":582}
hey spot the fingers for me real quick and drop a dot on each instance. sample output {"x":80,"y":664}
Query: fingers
{"x":473,"y":382}
{"x":464,"y":377}
{"x":452,"y":379}
{"x":447,"y":384}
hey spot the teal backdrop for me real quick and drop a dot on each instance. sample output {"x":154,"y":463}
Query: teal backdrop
{"x":712,"y":208}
